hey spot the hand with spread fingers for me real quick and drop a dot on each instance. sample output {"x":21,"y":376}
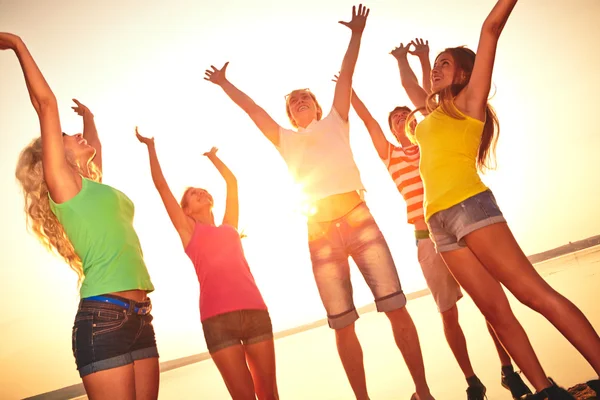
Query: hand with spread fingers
{"x":359,"y":19}
{"x":401,"y":51}
{"x":421,"y":48}
{"x":216,"y":76}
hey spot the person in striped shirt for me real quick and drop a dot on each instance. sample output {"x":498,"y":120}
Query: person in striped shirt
{"x":402,"y":163}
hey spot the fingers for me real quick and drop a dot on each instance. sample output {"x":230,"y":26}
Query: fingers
{"x":77,"y":102}
{"x":224,"y":66}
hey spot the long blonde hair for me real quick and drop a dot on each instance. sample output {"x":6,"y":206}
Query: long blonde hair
{"x":40,"y":219}
{"x":464,"y":60}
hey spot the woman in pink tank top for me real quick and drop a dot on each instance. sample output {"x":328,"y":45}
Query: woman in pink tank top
{"x":235,"y":319}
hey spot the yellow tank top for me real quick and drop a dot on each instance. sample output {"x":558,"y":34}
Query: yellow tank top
{"x":448,"y":168}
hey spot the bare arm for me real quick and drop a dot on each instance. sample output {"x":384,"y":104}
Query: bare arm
{"x":377,"y":136}
{"x":416,"y":94}
{"x":90,"y":133}
{"x":62,"y":182}
{"x":232,"y":206}
{"x":422,"y":51}
{"x":343,"y":88}
{"x":259,"y":116}
{"x":181,"y":222}
{"x":478,"y":88}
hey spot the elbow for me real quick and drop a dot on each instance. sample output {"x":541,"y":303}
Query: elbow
{"x":47,"y":105}
{"x":491,"y":28}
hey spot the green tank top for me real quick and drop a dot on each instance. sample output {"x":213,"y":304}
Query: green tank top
{"x":99,"y":223}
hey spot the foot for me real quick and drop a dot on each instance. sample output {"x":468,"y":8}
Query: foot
{"x":513,"y":382}
{"x":553,"y":392}
{"x":476,"y":392}
{"x":595,"y":386}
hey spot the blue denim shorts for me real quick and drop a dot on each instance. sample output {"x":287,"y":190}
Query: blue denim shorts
{"x":449,"y":227}
{"x":354,"y":235}
{"x":108,"y":336}
{"x":236,"y":327}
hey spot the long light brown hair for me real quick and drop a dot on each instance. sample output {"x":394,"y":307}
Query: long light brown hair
{"x":464,"y":60}
{"x":40,"y":219}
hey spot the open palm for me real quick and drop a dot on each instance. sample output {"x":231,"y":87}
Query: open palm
{"x":359,"y":19}
{"x":216,"y":76}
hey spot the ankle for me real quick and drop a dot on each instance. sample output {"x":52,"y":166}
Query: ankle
{"x":507,"y":370}
{"x":474,"y":381}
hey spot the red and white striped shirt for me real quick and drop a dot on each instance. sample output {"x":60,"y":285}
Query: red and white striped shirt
{"x":403,"y":165}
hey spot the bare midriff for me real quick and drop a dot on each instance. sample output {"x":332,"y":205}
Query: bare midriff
{"x":334,"y":207}
{"x":135,"y":295}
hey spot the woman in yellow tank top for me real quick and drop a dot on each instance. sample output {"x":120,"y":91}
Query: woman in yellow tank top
{"x":457,"y":139}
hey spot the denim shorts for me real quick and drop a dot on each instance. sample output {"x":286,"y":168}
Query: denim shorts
{"x":354,"y":235}
{"x":108,"y":336}
{"x":449,"y":227}
{"x":237,"y":327}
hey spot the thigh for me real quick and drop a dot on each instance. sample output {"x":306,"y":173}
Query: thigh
{"x":369,"y":250}
{"x":110,"y":384}
{"x":502,"y":256}
{"x":231,"y":363}
{"x":444,"y":288}
{"x":222,"y":331}
{"x":261,"y":359}
{"x":474,"y":278}
{"x":147,"y":377}
{"x":331,"y":271}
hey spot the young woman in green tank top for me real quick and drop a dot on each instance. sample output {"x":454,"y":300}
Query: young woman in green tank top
{"x":90,"y":225}
{"x":456,"y":140}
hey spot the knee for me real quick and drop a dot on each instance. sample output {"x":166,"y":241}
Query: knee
{"x":450,"y":317}
{"x":541,"y":301}
{"x":398,"y":315}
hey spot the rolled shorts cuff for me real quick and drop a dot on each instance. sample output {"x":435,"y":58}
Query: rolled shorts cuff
{"x":119,"y":361}
{"x":447,"y":305}
{"x":342,"y":320}
{"x":391,"y":302}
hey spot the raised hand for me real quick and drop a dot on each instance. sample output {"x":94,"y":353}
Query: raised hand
{"x":8,"y":41}
{"x":421,"y":47}
{"x":359,"y":19}
{"x":216,"y":76}
{"x":212,"y":152}
{"x":400,"y":51}
{"x":143,"y":139}
{"x":81,"y":109}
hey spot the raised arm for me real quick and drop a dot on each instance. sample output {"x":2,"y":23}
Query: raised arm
{"x":232,"y":205}
{"x":62,"y":182}
{"x":478,"y":88}
{"x":90,"y":133}
{"x":259,"y":116}
{"x":343,"y":87}
{"x":422,"y":51}
{"x":183,"y":224}
{"x":416,"y":94}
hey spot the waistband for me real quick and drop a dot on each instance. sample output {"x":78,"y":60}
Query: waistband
{"x":134,"y":307}
{"x":421,"y":234}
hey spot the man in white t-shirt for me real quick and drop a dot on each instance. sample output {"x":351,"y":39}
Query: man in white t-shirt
{"x":319,"y":157}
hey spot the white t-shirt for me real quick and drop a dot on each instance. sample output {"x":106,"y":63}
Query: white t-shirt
{"x":319,"y":157}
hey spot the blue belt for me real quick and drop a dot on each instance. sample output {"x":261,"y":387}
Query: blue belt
{"x":137,"y":310}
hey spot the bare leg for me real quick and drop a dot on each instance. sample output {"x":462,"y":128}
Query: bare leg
{"x":261,"y":359}
{"x":147,"y":378}
{"x":351,"y":355}
{"x":456,"y":340}
{"x":231,"y":363}
{"x":110,"y":384}
{"x":407,"y":340}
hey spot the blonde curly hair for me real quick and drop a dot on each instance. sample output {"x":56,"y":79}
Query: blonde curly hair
{"x":40,"y":219}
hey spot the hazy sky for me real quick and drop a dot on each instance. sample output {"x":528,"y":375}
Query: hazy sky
{"x":142,"y":63}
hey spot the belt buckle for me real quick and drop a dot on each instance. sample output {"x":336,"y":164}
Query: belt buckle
{"x":144,"y":310}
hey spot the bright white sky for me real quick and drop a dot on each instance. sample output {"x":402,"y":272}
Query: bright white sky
{"x":142,"y":63}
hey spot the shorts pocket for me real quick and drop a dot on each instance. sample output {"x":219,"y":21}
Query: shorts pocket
{"x":105,"y":321}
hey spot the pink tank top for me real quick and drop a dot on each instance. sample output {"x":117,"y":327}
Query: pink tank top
{"x":226,"y":283}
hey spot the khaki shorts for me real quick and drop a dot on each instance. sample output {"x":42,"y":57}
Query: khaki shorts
{"x":444,"y":288}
